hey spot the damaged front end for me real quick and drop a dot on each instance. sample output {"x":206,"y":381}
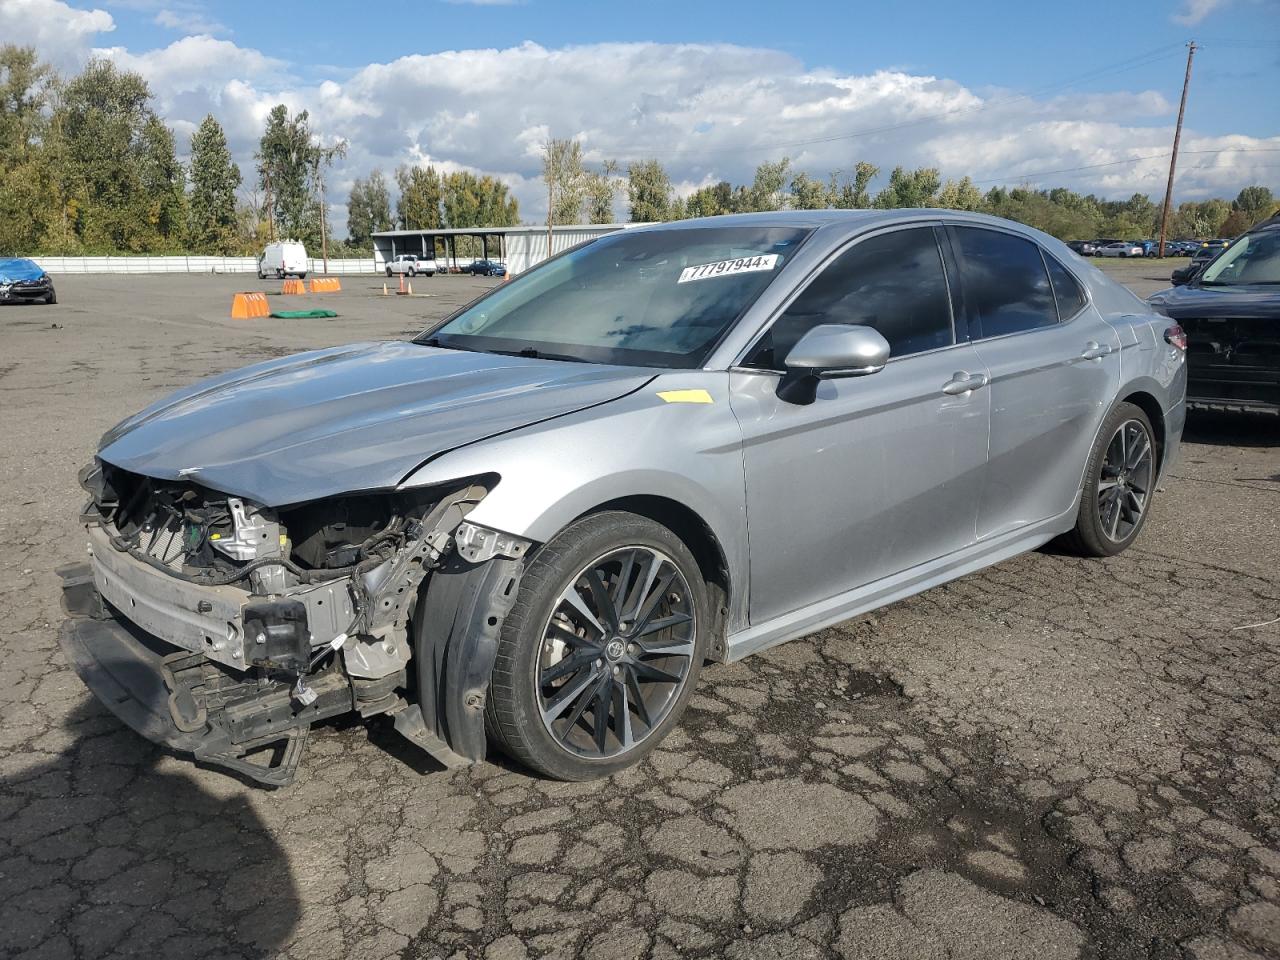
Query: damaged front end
{"x":225,"y":629}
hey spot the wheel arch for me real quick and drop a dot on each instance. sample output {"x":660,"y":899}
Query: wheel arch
{"x":1149,"y":405}
{"x":696,"y":534}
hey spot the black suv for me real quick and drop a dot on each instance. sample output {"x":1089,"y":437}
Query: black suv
{"x":1230,"y":312}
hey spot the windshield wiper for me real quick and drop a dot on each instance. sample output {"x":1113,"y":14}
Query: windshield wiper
{"x":534,"y":354}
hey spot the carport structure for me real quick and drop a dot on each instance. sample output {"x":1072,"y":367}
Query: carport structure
{"x":518,"y":247}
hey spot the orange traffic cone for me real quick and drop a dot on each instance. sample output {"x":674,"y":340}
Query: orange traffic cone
{"x":384,"y":290}
{"x":410,"y":288}
{"x":402,"y":283}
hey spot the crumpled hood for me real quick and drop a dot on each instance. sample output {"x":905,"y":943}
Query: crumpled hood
{"x":359,"y":417}
{"x":16,"y":269}
{"x":1242,"y":301}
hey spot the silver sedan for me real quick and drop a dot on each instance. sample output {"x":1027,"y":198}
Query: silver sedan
{"x":533,"y":524}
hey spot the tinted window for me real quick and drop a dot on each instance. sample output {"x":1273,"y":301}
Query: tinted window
{"x":893,"y":282}
{"x":1066,"y":289}
{"x":1006,"y":288}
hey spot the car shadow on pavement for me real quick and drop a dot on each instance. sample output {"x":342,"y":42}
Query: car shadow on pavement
{"x":111,"y":849}
{"x":1232,"y":429}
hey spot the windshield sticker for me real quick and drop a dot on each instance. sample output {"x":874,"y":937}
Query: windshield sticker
{"x":725,"y":268}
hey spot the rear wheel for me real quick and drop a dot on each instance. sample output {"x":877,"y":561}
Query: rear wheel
{"x":1120,"y":483}
{"x":600,"y":654}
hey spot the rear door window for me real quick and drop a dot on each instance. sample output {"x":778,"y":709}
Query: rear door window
{"x":893,"y":282}
{"x":1006,"y":285}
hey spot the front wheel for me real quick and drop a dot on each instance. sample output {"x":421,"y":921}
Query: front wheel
{"x":412,"y":273}
{"x":599,"y":656}
{"x":1119,"y":485}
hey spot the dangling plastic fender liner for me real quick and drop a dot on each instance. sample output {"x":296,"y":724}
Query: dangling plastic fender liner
{"x":456,"y":625}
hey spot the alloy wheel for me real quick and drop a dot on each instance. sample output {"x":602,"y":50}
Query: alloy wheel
{"x":616,"y":652}
{"x":1124,"y":486}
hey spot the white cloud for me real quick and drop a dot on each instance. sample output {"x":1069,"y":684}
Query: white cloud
{"x":1194,"y":11}
{"x":189,"y":20}
{"x":707,"y":111}
{"x":59,"y":32}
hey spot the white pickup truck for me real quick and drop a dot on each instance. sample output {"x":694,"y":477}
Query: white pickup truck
{"x":410,"y":264}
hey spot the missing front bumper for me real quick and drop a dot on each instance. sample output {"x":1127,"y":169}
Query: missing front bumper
{"x":185,"y":702}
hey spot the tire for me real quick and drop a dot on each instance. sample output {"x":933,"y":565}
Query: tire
{"x":412,"y":273}
{"x":531,"y":653}
{"x":1100,"y":532}
{"x":388,"y":271}
{"x":279,"y":274}
{"x":52,"y":298}
{"x":303,"y":275}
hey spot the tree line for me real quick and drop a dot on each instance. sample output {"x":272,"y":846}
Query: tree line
{"x":577,"y":193}
{"x":87,"y":166}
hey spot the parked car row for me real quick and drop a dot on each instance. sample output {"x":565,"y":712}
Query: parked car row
{"x":412,"y":265}
{"x":1142,"y":248}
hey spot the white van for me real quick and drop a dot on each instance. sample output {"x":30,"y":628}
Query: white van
{"x":286,"y":258}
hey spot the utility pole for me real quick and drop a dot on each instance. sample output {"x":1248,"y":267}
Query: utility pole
{"x":1173,"y":159}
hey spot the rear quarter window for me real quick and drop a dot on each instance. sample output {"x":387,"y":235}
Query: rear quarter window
{"x":1066,"y":289}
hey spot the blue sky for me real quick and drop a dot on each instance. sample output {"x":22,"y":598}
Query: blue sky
{"x":1004,"y":92}
{"x":1021,"y":45}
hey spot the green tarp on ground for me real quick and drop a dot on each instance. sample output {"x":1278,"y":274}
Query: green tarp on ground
{"x":303,"y":314}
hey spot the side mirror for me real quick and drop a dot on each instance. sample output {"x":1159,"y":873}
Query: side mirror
{"x":828,"y":351}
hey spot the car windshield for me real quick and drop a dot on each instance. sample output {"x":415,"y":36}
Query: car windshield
{"x":1254,"y":258}
{"x":647,"y":298}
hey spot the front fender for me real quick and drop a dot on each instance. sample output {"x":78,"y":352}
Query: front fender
{"x":639,"y":445}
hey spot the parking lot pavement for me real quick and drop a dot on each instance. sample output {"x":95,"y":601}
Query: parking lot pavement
{"x":1054,"y":758}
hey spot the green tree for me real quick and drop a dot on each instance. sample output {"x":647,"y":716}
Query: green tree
{"x":808,"y":193}
{"x":103,"y":139}
{"x":566,"y":180}
{"x":649,"y":192}
{"x":287,"y":162}
{"x":766,"y":191}
{"x":712,"y":201}
{"x":476,"y":201}
{"x":419,"y":205}
{"x":1237,"y":222}
{"x":28,"y":203}
{"x":368,"y":209}
{"x":164,"y":183}
{"x":910,"y":188}
{"x":1254,"y":203}
{"x":213,"y":224}
{"x":601,"y":188}
{"x":853,"y":194}
{"x":959,"y":195}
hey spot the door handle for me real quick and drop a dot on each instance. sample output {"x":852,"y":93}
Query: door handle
{"x":1095,"y":351}
{"x":962,"y":382}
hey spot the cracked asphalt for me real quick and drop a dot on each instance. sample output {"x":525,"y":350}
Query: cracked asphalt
{"x":1054,"y":758}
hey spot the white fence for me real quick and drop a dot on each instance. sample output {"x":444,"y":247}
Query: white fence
{"x":66,"y":265}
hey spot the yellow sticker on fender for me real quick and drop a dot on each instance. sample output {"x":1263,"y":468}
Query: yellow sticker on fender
{"x":685,"y":396}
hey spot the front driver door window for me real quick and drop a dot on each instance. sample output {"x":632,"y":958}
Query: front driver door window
{"x":880,"y":473}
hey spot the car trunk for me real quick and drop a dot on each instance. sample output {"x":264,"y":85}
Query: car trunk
{"x":1233,"y":360}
